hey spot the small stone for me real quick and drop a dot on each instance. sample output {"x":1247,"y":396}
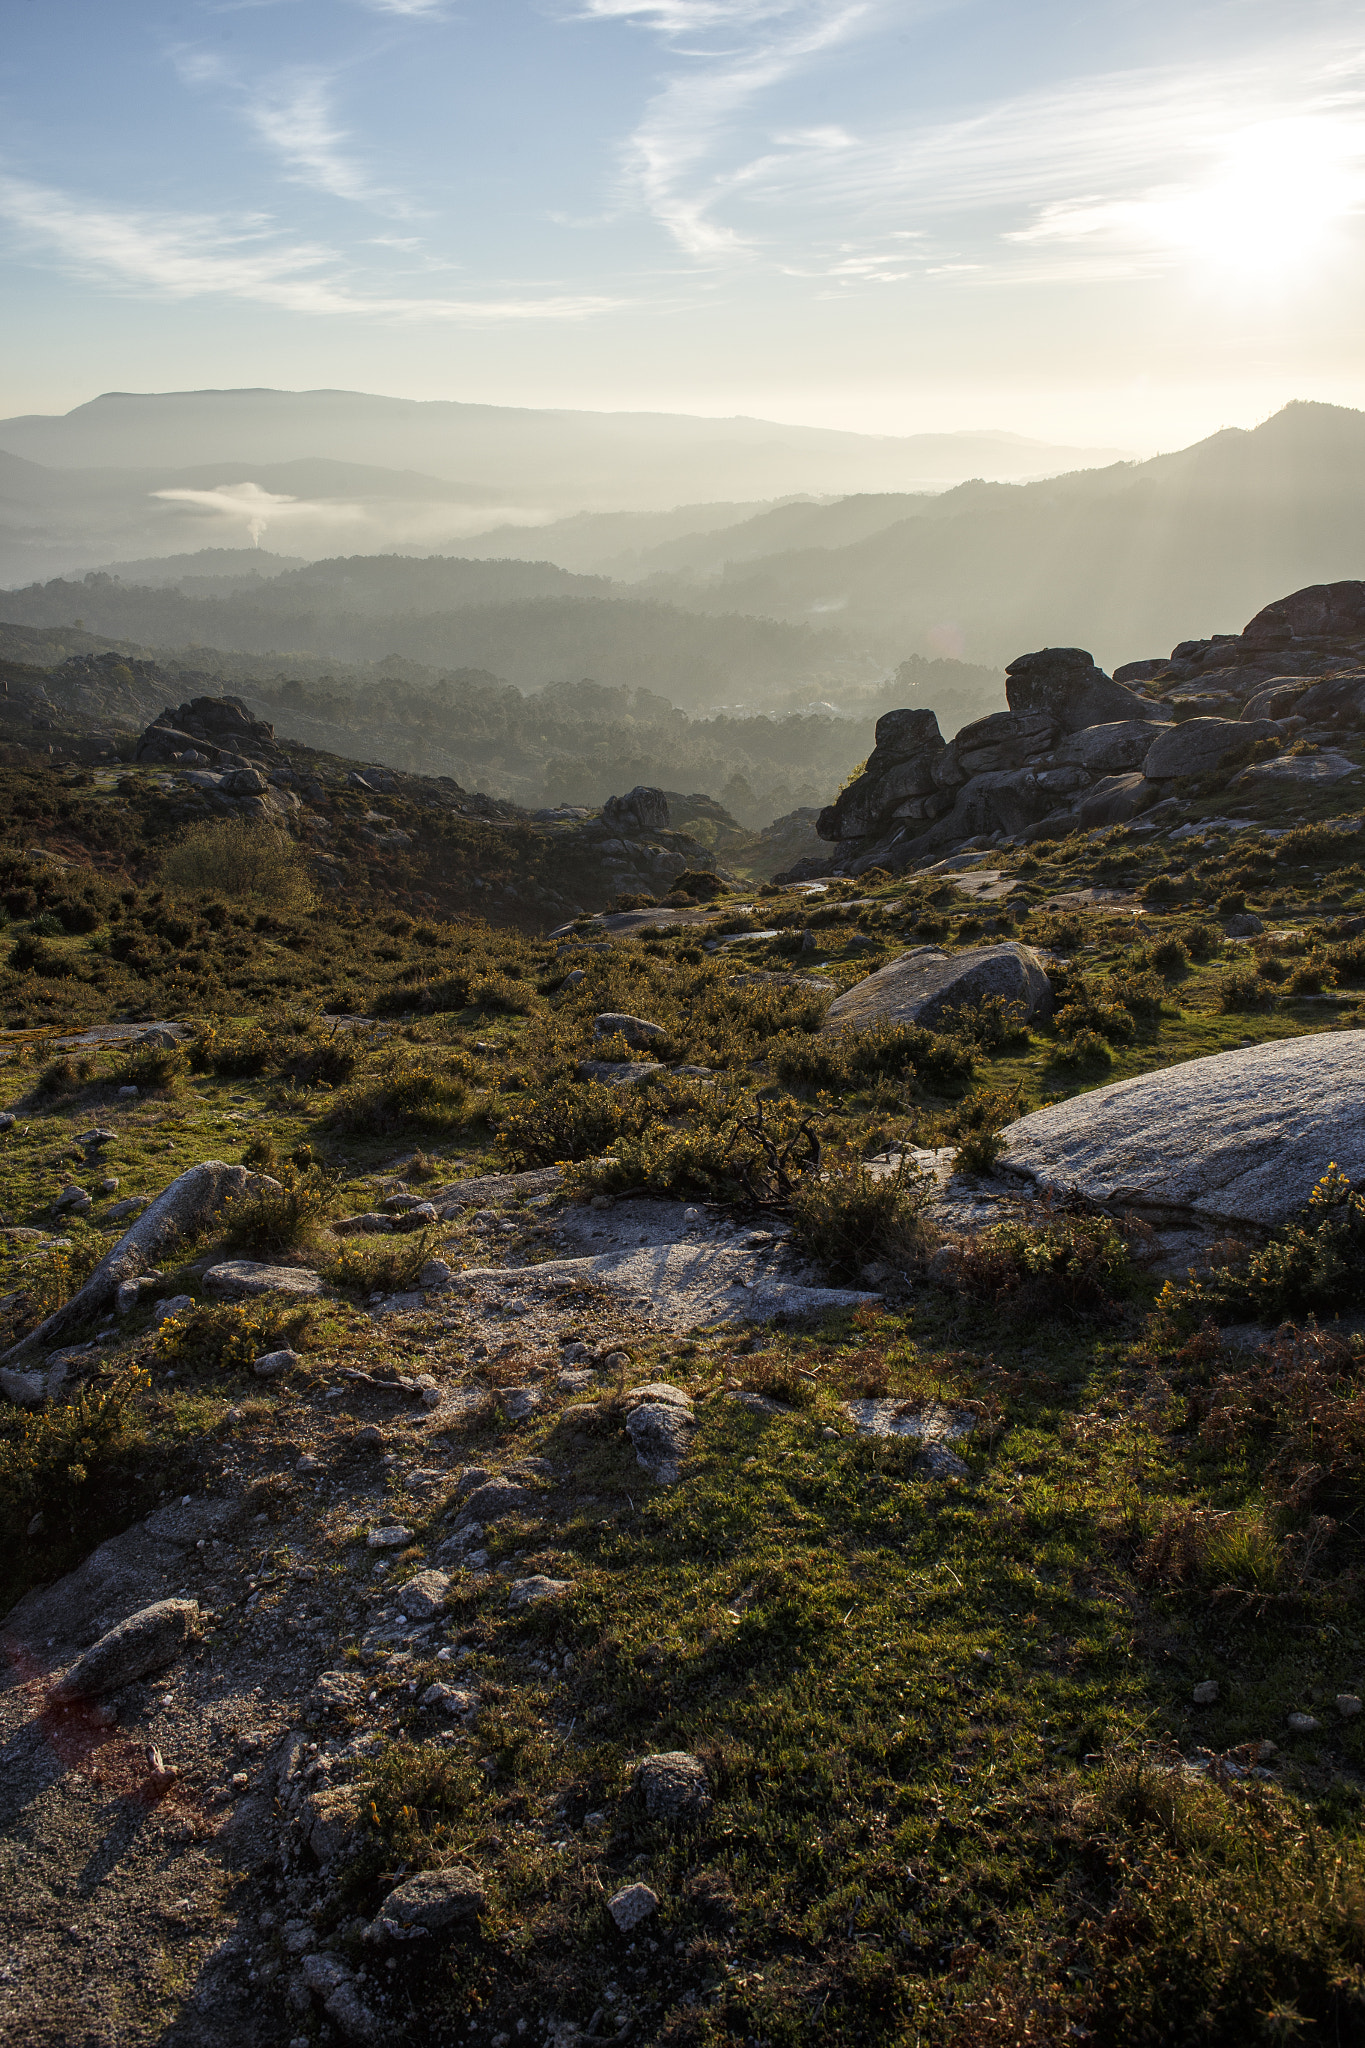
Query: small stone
{"x":1348,"y":1705}
{"x":424,"y":1596}
{"x":1302,"y":1724}
{"x":1265,"y":1751}
{"x":72,"y":1200}
{"x":107,"y":1186}
{"x":146,"y":1642}
{"x":616,"y":1361}
{"x":370,"y":1438}
{"x":7,"y":1120}
{"x":1206,"y":1693}
{"x":126,"y":1296}
{"x":674,"y":1785}
{"x":174,"y":1305}
{"x":636,"y":1031}
{"x":430,"y":1902}
{"x":497,"y":1497}
{"x":127,"y":1092}
{"x":307,"y":1463}
{"x":451,"y":1699}
{"x":271,"y":1364}
{"x":519,"y":1402}
{"x":571,"y":1353}
{"x":530,"y":1592}
{"x":392,"y":1537}
{"x":633,"y":1905}
{"x":436,"y":1273}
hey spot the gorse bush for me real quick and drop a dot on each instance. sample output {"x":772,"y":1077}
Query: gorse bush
{"x":280,"y":1221}
{"x":406,"y":1094}
{"x":844,"y":1217}
{"x":1316,"y":1264}
{"x":236,"y":1055}
{"x":153,"y":1069}
{"x":568,"y":1121}
{"x":64,"y":1076}
{"x":976,"y":1126}
{"x":53,"y":1459}
{"x":241,"y":861}
{"x":1066,"y":1265}
{"x":380,"y":1264}
{"x":933,"y":1061}
{"x":230,"y":1336}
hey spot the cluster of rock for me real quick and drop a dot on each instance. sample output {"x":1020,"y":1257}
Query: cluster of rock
{"x":631,"y":841}
{"x":1080,"y":748}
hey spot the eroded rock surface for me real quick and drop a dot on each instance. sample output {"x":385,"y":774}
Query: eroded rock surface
{"x":1241,"y":1137}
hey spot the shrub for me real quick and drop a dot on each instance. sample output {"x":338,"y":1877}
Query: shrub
{"x":1201,"y":941}
{"x":229,"y":1336}
{"x":501,"y":992}
{"x":151,"y":1068}
{"x":1297,"y":1409}
{"x":406,"y":1095}
{"x":1083,"y":1049}
{"x":569,"y":1120}
{"x":236,"y":1055}
{"x":1317,"y":1263}
{"x":1160,"y":889}
{"x":1312,"y":977}
{"x":52,"y":1459}
{"x":1241,"y":990}
{"x":1142,"y":995}
{"x":1168,"y":957}
{"x":976,"y":1125}
{"x":699,"y":884}
{"x":380,"y":1264}
{"x":270,"y":1222}
{"x":242,"y":861}
{"x":331,"y":1063}
{"x":843,"y":1059}
{"x":64,"y":1076}
{"x":1070,"y":1265}
{"x":1233,"y":904}
{"x":994,"y":1025}
{"x":844,"y":1217}
{"x":57,"y":1275}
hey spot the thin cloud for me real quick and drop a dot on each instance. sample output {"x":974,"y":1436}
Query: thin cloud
{"x":184,"y":256}
{"x":294,"y":118}
{"x":667,"y":160}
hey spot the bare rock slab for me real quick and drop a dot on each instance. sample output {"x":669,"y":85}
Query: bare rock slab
{"x":928,"y":987}
{"x":191,"y":1201}
{"x":1241,"y":1137}
{"x":243,"y":1280}
{"x":145,"y":1643}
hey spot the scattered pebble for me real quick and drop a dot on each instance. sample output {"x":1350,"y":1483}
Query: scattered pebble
{"x":1206,"y":1694}
{"x":1302,"y":1724}
{"x":1348,"y":1705}
{"x":391,"y":1537}
{"x":631,"y":1906}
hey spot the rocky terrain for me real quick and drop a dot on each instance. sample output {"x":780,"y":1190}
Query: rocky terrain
{"x":771,"y":1463}
{"x":1254,"y":711}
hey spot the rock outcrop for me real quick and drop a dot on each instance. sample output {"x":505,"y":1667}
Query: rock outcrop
{"x":1241,"y":1137}
{"x":216,"y":732}
{"x":1079,"y":749}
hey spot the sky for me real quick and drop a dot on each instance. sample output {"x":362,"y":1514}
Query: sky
{"x":1126,"y":224}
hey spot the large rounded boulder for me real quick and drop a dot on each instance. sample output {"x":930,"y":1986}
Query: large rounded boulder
{"x":1240,"y":1137}
{"x":930,"y":987}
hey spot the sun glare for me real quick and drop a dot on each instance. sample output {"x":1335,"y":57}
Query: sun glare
{"x":1272,"y":203}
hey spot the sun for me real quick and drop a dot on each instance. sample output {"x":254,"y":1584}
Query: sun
{"x":1278,"y":192}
